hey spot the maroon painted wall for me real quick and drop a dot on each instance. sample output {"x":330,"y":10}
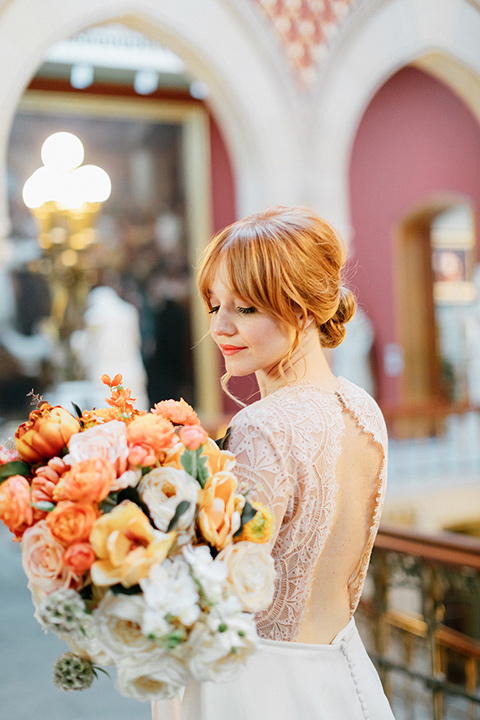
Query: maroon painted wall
{"x":417,"y":139}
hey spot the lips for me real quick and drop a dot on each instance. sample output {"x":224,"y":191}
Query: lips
{"x":231,"y":349}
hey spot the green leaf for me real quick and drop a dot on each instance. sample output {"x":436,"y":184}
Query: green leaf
{"x":203,"y":472}
{"x":43,"y":505}
{"x":248,"y":514}
{"x":187,"y":461}
{"x":181,"y":508}
{"x":109,"y":503}
{"x":15,"y":467}
{"x":120,"y":590}
{"x":77,"y":409}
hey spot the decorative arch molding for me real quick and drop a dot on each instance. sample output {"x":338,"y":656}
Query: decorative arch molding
{"x":251,"y":101}
{"x":380,"y":38}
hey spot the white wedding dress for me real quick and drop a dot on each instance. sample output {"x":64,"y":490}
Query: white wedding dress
{"x":317,"y":458}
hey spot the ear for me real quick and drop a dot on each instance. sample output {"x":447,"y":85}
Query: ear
{"x":309,"y":321}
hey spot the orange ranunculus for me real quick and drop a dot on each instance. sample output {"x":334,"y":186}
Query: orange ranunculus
{"x":149,"y":436}
{"x":218,"y":460}
{"x":219,"y":514}
{"x":127,"y":546}
{"x":46,"y":433}
{"x":178,"y":412}
{"x":15,"y":510}
{"x":193,"y":436}
{"x":79,"y":557}
{"x":88,"y":481}
{"x":71,"y":522}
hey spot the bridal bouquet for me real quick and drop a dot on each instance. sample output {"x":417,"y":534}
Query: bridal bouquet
{"x":141,"y":549}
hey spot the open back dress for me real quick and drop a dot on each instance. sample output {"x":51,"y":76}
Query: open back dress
{"x":318,"y":459}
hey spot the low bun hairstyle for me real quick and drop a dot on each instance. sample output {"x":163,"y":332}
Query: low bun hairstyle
{"x":286,"y":261}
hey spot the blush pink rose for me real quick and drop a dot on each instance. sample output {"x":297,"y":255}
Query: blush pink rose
{"x":108,"y":440}
{"x":42,"y":559}
{"x":79,"y":557}
{"x":193,"y":436}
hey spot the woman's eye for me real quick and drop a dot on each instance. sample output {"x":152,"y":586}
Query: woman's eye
{"x":214,"y":309}
{"x":246,"y":310}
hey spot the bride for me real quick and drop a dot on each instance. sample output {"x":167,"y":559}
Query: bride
{"x":314,"y":449}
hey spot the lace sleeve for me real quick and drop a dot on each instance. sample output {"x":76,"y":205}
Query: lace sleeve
{"x":262,"y":464}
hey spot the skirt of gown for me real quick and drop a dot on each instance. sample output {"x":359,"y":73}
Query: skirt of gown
{"x":289,"y":680}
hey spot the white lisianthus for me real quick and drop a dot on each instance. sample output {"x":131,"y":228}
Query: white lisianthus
{"x":221,"y":646}
{"x":163,"y":489}
{"x":210,"y":574}
{"x":158,"y":677}
{"x":170,"y":593}
{"x":251,"y":574}
{"x":118,"y":626}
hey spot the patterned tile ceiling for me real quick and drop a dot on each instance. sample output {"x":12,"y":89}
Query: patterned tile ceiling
{"x":304,"y":29}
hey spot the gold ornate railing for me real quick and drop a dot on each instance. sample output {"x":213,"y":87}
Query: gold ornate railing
{"x":421,"y":622}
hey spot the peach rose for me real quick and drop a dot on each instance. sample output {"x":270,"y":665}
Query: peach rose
{"x":108,"y":440}
{"x":178,"y":412}
{"x":46,"y":433}
{"x":127,"y":546}
{"x":42,"y":559}
{"x":219,"y":514}
{"x":71,"y":522}
{"x":88,"y":481}
{"x":15,"y":510}
{"x":149,"y":436}
{"x":79,"y":557}
{"x":193,"y":436}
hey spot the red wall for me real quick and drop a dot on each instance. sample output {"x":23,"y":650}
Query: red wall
{"x":416,"y":139}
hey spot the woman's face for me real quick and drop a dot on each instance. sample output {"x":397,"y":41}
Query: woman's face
{"x":250,"y":340}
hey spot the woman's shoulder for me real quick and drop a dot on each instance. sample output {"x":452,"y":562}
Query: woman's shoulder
{"x":364,"y":408}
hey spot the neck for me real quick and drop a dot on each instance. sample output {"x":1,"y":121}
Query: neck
{"x":307,"y":364}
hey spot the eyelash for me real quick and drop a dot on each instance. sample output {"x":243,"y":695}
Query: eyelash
{"x":242,"y":310}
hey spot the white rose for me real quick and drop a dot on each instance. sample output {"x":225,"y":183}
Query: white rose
{"x":251,"y":574}
{"x":210,"y":573}
{"x":163,"y":489}
{"x":118,"y":626}
{"x":158,"y":677}
{"x":129,"y":478}
{"x":108,"y":440}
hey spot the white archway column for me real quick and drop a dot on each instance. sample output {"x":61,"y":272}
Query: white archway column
{"x":380,"y":38}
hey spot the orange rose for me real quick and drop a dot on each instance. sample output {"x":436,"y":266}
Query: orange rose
{"x":219,"y":514}
{"x":193,"y":436}
{"x":79,"y":557}
{"x":127,"y":546}
{"x":149,"y":436}
{"x":88,"y":481}
{"x":71,"y":522}
{"x":46,"y":433}
{"x":178,"y":412}
{"x":15,"y":510}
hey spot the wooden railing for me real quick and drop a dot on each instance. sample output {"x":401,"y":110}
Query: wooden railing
{"x":415,"y":640}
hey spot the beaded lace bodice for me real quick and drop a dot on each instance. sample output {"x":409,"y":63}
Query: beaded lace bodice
{"x":288,"y":447}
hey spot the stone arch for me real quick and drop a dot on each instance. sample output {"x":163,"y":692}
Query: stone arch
{"x":247,"y":94}
{"x":379,"y":39}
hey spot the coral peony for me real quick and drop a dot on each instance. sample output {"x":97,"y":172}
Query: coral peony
{"x":178,"y":412}
{"x":15,"y":510}
{"x":45,"y":434}
{"x":149,"y":436}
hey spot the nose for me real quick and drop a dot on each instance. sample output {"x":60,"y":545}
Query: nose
{"x":222,"y":324}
